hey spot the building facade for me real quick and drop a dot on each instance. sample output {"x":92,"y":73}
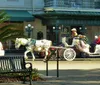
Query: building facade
{"x":53,"y":19}
{"x":62,"y":15}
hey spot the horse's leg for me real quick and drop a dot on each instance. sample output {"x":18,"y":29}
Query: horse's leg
{"x":46,"y":54}
{"x":25,"y":54}
{"x":33,"y":55}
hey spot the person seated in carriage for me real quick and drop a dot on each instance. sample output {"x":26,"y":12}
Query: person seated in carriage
{"x":98,"y":40}
{"x":84,"y":47}
{"x":93,"y":44}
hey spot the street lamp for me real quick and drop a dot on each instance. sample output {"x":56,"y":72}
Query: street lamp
{"x":83,"y":29}
{"x":29,"y":29}
{"x":56,"y":29}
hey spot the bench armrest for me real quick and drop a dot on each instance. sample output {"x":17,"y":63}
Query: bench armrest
{"x":28,"y":65}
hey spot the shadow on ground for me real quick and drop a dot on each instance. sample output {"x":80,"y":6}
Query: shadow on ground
{"x":73,"y":77}
{"x":66,"y":77}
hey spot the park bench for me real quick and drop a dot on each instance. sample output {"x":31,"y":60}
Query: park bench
{"x":16,"y":64}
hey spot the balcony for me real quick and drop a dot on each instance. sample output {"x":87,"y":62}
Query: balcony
{"x":72,"y":4}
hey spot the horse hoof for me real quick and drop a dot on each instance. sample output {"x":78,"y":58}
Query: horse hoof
{"x":33,"y":59}
{"x":44,"y":60}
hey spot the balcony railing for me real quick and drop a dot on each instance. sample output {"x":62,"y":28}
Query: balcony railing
{"x":94,"y":4}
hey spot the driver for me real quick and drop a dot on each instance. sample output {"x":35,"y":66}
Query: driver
{"x":74,"y":32}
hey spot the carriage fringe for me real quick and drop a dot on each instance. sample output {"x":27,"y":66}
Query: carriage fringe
{"x":58,"y":47}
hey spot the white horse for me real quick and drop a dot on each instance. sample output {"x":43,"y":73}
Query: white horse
{"x":34,"y":45}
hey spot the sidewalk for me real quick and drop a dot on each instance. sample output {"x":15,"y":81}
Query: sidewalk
{"x":63,"y":81}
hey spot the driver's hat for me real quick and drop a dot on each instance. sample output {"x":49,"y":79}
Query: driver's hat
{"x":74,"y":29}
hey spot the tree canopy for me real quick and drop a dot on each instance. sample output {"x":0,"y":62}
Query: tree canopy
{"x":8,"y":31}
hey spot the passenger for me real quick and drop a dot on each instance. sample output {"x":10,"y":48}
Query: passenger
{"x":95,"y":40}
{"x":98,"y":40}
{"x":93,"y":44}
{"x":83,"y":40}
{"x":83,"y":47}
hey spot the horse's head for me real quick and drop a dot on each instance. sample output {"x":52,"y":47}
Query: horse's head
{"x":17,"y":43}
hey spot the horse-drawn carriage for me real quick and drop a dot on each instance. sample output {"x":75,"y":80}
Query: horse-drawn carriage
{"x":79,"y":46}
{"x":67,"y":51}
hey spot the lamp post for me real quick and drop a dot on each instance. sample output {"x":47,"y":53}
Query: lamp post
{"x":29,"y":29}
{"x":83,"y":30}
{"x":56,"y":29}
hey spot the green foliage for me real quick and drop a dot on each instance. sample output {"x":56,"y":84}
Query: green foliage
{"x":8,"y":31}
{"x":35,"y":73}
{"x":19,"y":76}
{"x":3,"y":16}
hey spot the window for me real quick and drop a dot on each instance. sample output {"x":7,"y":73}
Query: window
{"x":48,"y":3}
{"x":12,"y":0}
{"x":97,"y":4}
{"x":73,"y":3}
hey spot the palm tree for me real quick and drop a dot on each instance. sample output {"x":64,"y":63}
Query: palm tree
{"x":8,"y":31}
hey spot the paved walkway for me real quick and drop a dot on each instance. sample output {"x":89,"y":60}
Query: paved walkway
{"x":70,"y":80}
{"x":71,"y":73}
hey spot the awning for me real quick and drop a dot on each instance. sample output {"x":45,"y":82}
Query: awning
{"x":71,"y":18}
{"x":72,"y":22}
{"x":19,"y":15}
{"x":83,"y":13}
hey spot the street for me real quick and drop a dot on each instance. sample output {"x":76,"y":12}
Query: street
{"x":67,"y":68}
{"x":70,"y":73}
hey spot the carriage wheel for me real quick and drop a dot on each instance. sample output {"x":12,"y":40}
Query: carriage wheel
{"x":69,"y":54}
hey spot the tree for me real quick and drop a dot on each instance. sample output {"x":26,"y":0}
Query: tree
{"x":8,"y":31}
